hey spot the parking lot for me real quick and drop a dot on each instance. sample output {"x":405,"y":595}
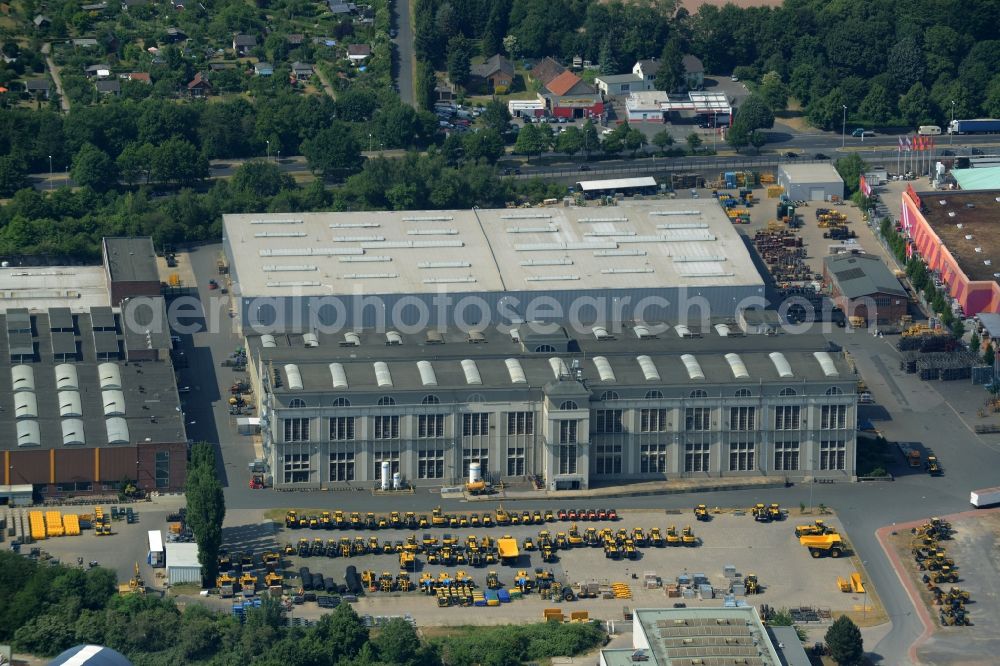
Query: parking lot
{"x":789,"y":576}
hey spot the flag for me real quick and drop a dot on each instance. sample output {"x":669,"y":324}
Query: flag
{"x":909,"y":143}
{"x":866,"y":189}
{"x":900,"y":143}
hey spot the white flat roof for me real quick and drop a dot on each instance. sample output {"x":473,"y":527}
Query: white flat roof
{"x":182,"y":555}
{"x":819,"y":172}
{"x":650,"y":243}
{"x":39,"y":288}
{"x":613,"y":183}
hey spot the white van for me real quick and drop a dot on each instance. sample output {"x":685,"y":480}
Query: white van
{"x":929,"y":130}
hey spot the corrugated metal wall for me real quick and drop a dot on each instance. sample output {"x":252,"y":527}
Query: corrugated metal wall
{"x":176,"y":575}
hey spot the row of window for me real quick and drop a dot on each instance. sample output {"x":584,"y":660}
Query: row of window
{"x":606,"y":396}
{"x":607,"y":460}
{"x":605,"y":421}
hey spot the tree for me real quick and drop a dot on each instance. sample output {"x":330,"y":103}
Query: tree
{"x":496,"y":117}
{"x":512,"y":46}
{"x":877,"y":105}
{"x":757,"y":139}
{"x":774,"y":91}
{"x":13,"y":175}
{"x":826,"y":112}
{"x":341,"y":633}
{"x":589,"y":141}
{"x":93,"y":168}
{"x":905,"y":64}
{"x":530,"y":141}
{"x":569,"y":141}
{"x":606,"y":56}
{"x":333,"y":152}
{"x":693,"y":142}
{"x":915,"y":105}
{"x":459,"y":58}
{"x":755,"y":113}
{"x":988,"y":355}
{"x":844,"y":641}
{"x":850,"y":169}
{"x":634,"y":140}
{"x":206,"y":508}
{"x":486,"y":144}
{"x":663,"y":140}
{"x":426,"y":83}
{"x":738,"y":136}
{"x":975,"y":344}
{"x":178,"y":161}
{"x":261,"y":178}
{"x":670,"y":76}
{"x":397,"y":642}
{"x":357,"y":104}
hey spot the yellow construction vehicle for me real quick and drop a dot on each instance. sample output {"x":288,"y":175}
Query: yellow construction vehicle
{"x":438,"y":519}
{"x":824,"y":544}
{"x":338,"y":520}
{"x":701,"y":512}
{"x":474,"y":520}
{"x":303,"y":548}
{"x":410,"y":520}
{"x":395,"y":521}
{"x":274,"y":582}
{"x":502,"y":517}
{"x":817,"y":527}
{"x":453,"y":521}
{"x":688,"y":538}
{"x":407,"y":561}
{"x":355,"y":520}
{"x":382,"y":523}
{"x":639,"y":537}
{"x":631,"y":552}
{"x":487,"y":520}
{"x":422,"y":522}
{"x":537,"y":517}
{"x":751,"y":585}
{"x":371,"y":522}
{"x":248,"y":582}
{"x":478,"y":487}
{"x":528,"y":544}
{"x":226,"y":584}
{"x":403,"y":583}
{"x":291,"y":519}
{"x":656,"y":539}
{"x":325,"y":520}
{"x":271,"y":559}
{"x":385,"y":582}
{"x":774,"y":512}
{"x":493,"y":581}
{"x":672,"y":538}
{"x":549,"y":516}
{"x":760,"y":513}
{"x":314,"y":522}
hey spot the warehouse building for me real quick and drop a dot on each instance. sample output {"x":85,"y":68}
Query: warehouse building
{"x":78,"y":413}
{"x":811,"y":182}
{"x":956,"y":235}
{"x":615,"y":403}
{"x":644,"y":260}
{"x":862,"y":286}
{"x":130,"y":264}
{"x":673,"y":636}
{"x":182,"y":563}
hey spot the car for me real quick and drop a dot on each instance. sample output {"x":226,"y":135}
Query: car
{"x":977,"y":151}
{"x":947,"y":153}
{"x":506,"y":171}
{"x":607,"y":131}
{"x":584,"y":167}
{"x":517,"y":171}
{"x":563,"y":120}
{"x":212,"y":284}
{"x":734,"y":78}
{"x":821,"y":156}
{"x":790,"y":155}
{"x":393,"y":33}
{"x":183,"y":389}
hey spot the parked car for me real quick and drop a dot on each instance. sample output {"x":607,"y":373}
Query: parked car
{"x":584,"y":167}
{"x":212,"y":284}
{"x":734,"y":78}
{"x":821,"y":156}
{"x":790,"y":155}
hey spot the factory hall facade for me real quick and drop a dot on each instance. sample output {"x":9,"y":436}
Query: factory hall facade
{"x":545,"y":403}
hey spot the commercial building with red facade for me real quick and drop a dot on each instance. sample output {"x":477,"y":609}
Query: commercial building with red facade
{"x":957,"y":234}
{"x":568,"y":96}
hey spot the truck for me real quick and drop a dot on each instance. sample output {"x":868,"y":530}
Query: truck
{"x":975,"y":126}
{"x":928,"y":130}
{"x":156,"y":556}
{"x":911,"y":453}
{"x":985,"y":497}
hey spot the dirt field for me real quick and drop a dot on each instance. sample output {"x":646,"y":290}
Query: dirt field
{"x":975,"y":547}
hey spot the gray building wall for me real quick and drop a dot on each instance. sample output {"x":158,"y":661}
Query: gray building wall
{"x":611,"y":444}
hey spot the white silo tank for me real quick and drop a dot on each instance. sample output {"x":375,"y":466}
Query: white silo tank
{"x":475,"y":472}
{"x":386,"y":483}
{"x":397,"y":481}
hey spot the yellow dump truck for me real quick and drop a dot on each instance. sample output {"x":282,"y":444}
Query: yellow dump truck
{"x":824,"y":544}
{"x":507,"y":547}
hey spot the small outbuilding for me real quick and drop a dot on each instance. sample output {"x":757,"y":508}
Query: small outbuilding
{"x":861,"y":285}
{"x":182,"y":563}
{"x":811,"y":182}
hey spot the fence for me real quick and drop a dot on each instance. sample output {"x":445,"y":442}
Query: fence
{"x":648,"y":166}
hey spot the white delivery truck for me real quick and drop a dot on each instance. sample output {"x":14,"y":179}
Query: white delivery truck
{"x":985,"y":497}
{"x":156,"y":557}
{"x":928,"y":130}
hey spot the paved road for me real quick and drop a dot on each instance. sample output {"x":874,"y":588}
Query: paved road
{"x":405,"y":54}
{"x":54,"y":71}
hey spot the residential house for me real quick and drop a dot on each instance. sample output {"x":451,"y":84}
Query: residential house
{"x":568,"y":96}
{"x":365,"y":15}
{"x":619,"y":85}
{"x":341,"y":8}
{"x":132,"y":4}
{"x":142,"y":77}
{"x":647,"y":69}
{"x":38,"y":87}
{"x":41,"y":21}
{"x":496,"y":75}
{"x":219,"y":66}
{"x":546,"y":70}
{"x":85,"y":43}
{"x":199,"y":86}
{"x":175,"y":35}
{"x":108,"y":87}
{"x":302,"y":71}
{"x":444,"y":92}
{"x":358,"y":53}
{"x":243,"y":44}
{"x":694,"y":72}
{"x":295,"y":40}
{"x":100,"y":71}
{"x":97,"y":7}
{"x":263,"y":69}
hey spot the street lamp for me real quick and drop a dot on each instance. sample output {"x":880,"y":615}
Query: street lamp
{"x":951,"y":135}
{"x":50,"y":169}
{"x":843,"y":129}
{"x":268,"y":148}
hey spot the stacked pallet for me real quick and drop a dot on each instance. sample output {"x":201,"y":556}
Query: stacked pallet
{"x":53,"y":524}
{"x":36,"y":521}
{"x":71,"y":522}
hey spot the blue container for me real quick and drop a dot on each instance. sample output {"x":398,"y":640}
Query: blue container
{"x":491,"y":594}
{"x":504,"y":596}
{"x":479,"y":602}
